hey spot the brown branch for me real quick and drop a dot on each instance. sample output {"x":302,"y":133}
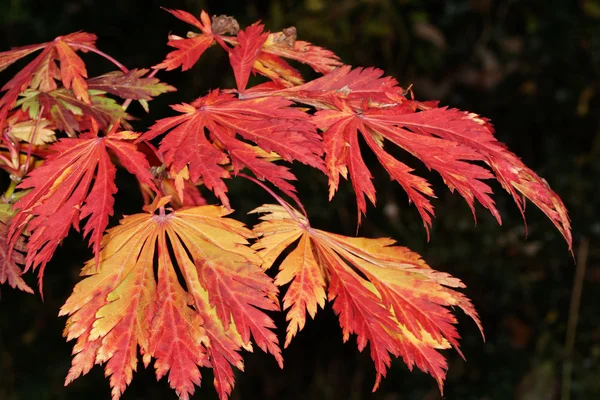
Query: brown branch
{"x":567,"y":371}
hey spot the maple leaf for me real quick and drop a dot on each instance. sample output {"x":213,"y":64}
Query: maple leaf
{"x":72,"y":115}
{"x":42,"y":71}
{"x":121,"y":305}
{"x":279,"y":45}
{"x":341,"y":129}
{"x":351,"y":84}
{"x":130,"y":85}
{"x":360,"y":102}
{"x":188,"y":50}
{"x":385,"y":294}
{"x":269,"y":122}
{"x":9,"y":270}
{"x":61,"y":195}
{"x":262,"y":53}
{"x":355,"y":86}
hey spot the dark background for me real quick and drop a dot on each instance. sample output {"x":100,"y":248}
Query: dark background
{"x":533,"y":67}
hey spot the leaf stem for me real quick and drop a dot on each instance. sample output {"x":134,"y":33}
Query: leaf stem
{"x":13,"y":148}
{"x":283,"y":203}
{"x":11,"y":190}
{"x":5,"y":160}
{"x":32,"y":139}
{"x":100,"y":53}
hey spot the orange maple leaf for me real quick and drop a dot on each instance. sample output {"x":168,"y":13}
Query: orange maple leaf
{"x":121,"y":304}
{"x":385,"y":294}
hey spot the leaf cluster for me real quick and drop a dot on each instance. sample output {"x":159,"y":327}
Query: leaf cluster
{"x":183,"y":284}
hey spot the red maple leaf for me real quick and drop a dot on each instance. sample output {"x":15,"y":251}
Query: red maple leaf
{"x":362,"y":102}
{"x":188,"y":50}
{"x":269,"y":56}
{"x":341,"y":129}
{"x":354,"y":85}
{"x":60,"y":195}
{"x":269,"y":122}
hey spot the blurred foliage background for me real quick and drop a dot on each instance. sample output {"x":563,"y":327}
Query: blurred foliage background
{"x":533,"y":67}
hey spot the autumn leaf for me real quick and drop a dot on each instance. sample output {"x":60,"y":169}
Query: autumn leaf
{"x":385,"y":294}
{"x":361,"y":103}
{"x":121,"y":304}
{"x":188,"y":50}
{"x":280,"y":45}
{"x":474,"y":132}
{"x":42,"y":71}
{"x":351,"y":84}
{"x":269,"y":122}
{"x":130,"y":85}
{"x":342,"y":127}
{"x":61,"y":195}
{"x":355,"y":86}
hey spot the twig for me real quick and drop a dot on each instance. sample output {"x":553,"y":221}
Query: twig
{"x":567,"y":370}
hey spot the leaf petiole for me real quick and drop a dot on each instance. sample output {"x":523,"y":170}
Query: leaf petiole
{"x":283,"y":203}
